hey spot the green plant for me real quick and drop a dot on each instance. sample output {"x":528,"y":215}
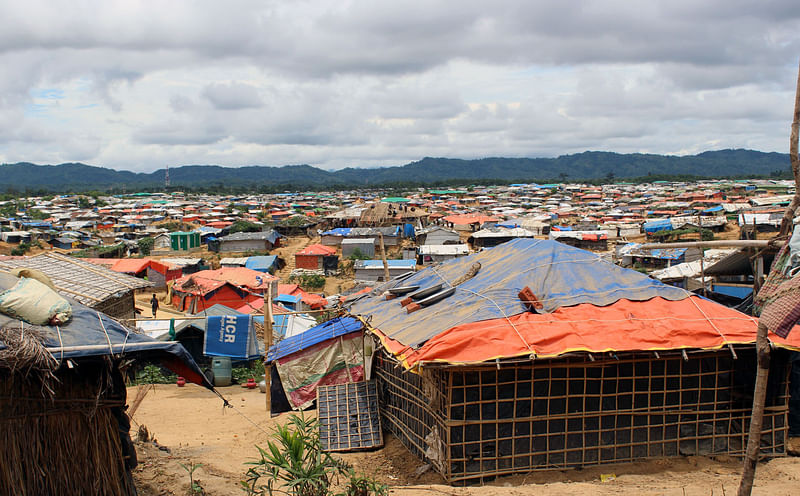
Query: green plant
{"x":153,"y":374}
{"x":244,"y":226}
{"x":254,"y":370}
{"x":312,"y":281}
{"x":358,"y":255}
{"x":194,"y":486}
{"x":145,"y":245}
{"x":21,"y":249}
{"x":363,"y":485}
{"x":294,"y":462}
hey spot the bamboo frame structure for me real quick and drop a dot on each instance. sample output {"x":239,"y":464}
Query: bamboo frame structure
{"x":478,"y":422}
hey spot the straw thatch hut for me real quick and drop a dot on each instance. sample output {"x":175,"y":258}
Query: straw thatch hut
{"x":63,"y":402}
{"x":548,"y":357}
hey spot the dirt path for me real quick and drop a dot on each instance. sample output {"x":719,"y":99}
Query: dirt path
{"x":191,"y":423}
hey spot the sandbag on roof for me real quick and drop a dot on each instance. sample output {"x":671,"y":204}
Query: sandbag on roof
{"x":92,"y":333}
{"x":559,"y":275}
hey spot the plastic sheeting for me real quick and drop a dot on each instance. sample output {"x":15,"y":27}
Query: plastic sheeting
{"x":91,"y":333}
{"x":559,"y":275}
{"x":657,"y":225}
{"x":657,"y":324}
{"x":327,"y":330}
{"x":262,"y":263}
{"x":339,"y":231}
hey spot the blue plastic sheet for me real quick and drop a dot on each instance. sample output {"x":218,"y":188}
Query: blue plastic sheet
{"x":327,"y":330}
{"x":657,"y":225}
{"x":339,"y":231}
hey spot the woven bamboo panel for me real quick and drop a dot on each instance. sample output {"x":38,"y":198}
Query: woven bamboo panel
{"x":575,"y":412}
{"x":84,"y":281}
{"x":348,"y":416}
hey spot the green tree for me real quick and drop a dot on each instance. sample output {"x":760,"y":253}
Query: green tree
{"x":145,"y":245}
{"x":244,"y":226}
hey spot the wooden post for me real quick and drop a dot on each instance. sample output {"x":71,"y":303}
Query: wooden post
{"x":757,"y":417}
{"x":268,"y":345}
{"x":762,"y":342}
{"x":703,"y":273}
{"x":383,"y":257}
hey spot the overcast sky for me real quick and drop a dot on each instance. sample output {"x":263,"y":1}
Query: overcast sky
{"x":140,"y":85}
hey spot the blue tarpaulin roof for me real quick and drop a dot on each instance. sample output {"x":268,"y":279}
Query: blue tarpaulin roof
{"x":713,"y":209}
{"x":666,"y":253}
{"x":284,"y":298}
{"x":327,"y":330}
{"x":339,"y":231}
{"x":559,"y":275}
{"x":657,"y":225}
{"x":261,"y":263}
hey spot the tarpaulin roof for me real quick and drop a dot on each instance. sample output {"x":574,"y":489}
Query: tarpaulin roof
{"x":470,"y":219}
{"x":559,"y":275}
{"x":409,"y":264}
{"x":131,"y":265}
{"x":665,"y":253}
{"x":339,"y":231}
{"x":317,"y":249}
{"x":327,"y":330}
{"x":625,"y":325}
{"x":90,"y":333}
{"x":261,"y":263}
{"x":208,"y":280}
{"x":657,"y":225}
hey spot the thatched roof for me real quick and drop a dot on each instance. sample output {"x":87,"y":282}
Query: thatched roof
{"x":88,"y":283}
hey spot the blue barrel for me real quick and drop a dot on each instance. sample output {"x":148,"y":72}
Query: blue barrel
{"x":221,"y":366}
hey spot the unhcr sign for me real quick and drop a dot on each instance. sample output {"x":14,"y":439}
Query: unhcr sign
{"x":230,"y":336}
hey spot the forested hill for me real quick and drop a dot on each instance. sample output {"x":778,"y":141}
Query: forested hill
{"x":587,"y":165}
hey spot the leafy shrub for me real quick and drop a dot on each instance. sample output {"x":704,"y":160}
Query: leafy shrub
{"x":295,"y":464}
{"x":21,"y":249}
{"x":241,"y":374}
{"x":244,"y":226}
{"x":358,"y":255}
{"x":145,"y":245}
{"x":312,"y":280}
{"x":153,"y":374}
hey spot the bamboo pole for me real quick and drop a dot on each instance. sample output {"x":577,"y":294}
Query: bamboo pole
{"x":733,"y":243}
{"x":762,"y":342}
{"x":267,"y":346}
{"x":383,"y":257}
{"x":288,"y":312}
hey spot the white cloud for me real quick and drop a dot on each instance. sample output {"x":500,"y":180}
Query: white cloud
{"x":366,"y":82}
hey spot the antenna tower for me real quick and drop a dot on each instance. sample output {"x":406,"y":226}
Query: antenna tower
{"x":166,"y":178}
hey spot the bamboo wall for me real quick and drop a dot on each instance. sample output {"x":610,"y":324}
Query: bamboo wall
{"x":553,"y":414}
{"x":67,"y":443}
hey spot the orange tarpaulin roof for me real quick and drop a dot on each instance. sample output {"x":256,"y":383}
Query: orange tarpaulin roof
{"x":131,"y":265}
{"x":652,"y":325}
{"x":470,"y":219}
{"x":317,"y":249}
{"x":209,"y":280}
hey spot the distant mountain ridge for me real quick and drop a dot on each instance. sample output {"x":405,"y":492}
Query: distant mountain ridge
{"x":587,"y":165}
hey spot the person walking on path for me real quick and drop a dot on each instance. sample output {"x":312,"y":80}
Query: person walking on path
{"x":154,"y":304}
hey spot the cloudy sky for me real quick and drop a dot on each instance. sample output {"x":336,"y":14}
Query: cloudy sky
{"x":139,"y":85}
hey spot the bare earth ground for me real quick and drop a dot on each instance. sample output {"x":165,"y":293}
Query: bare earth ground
{"x":192,"y":425}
